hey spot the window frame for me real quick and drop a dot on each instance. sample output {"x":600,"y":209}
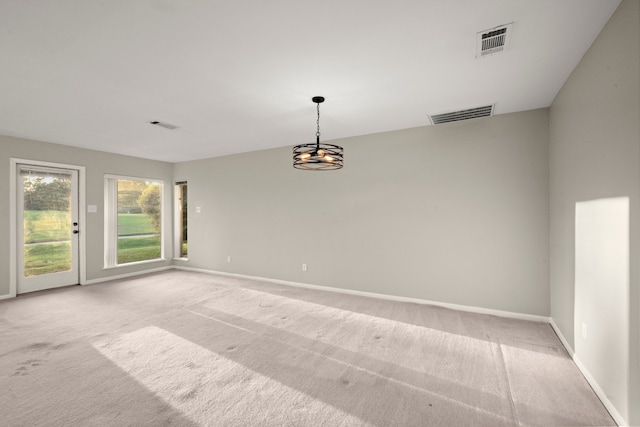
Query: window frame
{"x":111,"y":220}
{"x":177,"y":220}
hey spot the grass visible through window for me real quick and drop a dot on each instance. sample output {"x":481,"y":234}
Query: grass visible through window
{"x":132,"y":224}
{"x":132,"y":249}
{"x":46,"y":226}
{"x":45,"y":258}
{"x":48,"y":249}
{"x":137,"y":238}
{"x":47,"y":246}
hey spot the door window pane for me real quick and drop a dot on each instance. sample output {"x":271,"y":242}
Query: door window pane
{"x":47,"y":222}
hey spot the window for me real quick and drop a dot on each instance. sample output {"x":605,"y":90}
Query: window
{"x":133,"y":220}
{"x":181,"y":249}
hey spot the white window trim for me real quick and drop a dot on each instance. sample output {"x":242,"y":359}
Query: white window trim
{"x":111,"y":220}
{"x":177,"y":215}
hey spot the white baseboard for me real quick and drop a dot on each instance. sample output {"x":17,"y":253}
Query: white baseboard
{"x":471,"y":309}
{"x":107,"y":279}
{"x":617,"y":417}
{"x":467,"y":308}
{"x":126,"y":275}
{"x":563,"y":340}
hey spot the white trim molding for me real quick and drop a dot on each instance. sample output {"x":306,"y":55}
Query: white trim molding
{"x":617,"y":417}
{"x":127,"y":275}
{"x":467,"y":308}
{"x":110,"y":278}
{"x":563,"y":340}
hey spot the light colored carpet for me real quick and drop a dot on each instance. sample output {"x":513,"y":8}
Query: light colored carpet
{"x":187,"y":349}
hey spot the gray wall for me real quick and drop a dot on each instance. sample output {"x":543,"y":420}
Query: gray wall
{"x":454,"y":213}
{"x":595,"y":154}
{"x":97,"y":164}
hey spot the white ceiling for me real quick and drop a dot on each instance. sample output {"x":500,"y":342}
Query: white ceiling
{"x":238,"y":76}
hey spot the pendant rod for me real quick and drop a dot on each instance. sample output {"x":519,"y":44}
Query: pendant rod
{"x":318,"y":100}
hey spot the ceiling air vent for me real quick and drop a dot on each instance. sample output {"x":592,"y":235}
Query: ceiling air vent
{"x":493,"y":41}
{"x":456,"y":116}
{"x":164,"y":125}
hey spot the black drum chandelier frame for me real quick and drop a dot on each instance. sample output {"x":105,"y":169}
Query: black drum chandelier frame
{"x":318,"y":156}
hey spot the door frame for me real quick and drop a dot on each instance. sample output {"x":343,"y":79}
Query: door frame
{"x":13,"y":219}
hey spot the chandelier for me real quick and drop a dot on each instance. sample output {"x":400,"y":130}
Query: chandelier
{"x":318,"y":156}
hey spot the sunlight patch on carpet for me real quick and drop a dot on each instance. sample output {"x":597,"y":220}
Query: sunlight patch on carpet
{"x":210,"y":389}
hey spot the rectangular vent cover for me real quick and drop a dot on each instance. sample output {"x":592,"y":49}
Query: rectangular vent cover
{"x":164,"y":125}
{"x":456,"y":116}
{"x":493,"y":41}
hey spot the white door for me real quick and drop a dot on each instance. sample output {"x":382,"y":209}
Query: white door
{"x":47,"y":228}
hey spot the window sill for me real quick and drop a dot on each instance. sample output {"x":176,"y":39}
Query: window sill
{"x":181,"y":259}
{"x":148,"y":261}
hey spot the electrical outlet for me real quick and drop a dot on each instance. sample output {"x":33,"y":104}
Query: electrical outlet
{"x":584,"y":330}
{"x":304,"y":267}
{"x":229,"y":259}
